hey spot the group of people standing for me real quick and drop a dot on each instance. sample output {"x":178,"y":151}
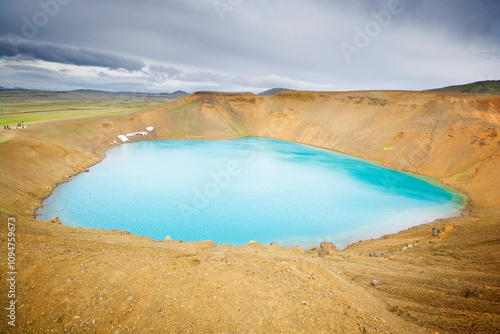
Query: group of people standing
{"x":19,"y":125}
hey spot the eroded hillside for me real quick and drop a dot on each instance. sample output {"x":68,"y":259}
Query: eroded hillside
{"x":101,"y":281}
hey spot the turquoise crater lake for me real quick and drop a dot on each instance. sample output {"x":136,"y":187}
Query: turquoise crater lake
{"x":234,"y":191}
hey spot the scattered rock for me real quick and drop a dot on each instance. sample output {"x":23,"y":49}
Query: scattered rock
{"x":327,"y":248}
{"x":56,"y":220}
{"x":376,"y":282}
{"x":121,"y":232}
{"x":437,"y":232}
{"x":471,"y":294}
{"x":378,"y":254}
{"x":311,"y":276}
{"x":440,"y":231}
{"x":129,"y":299}
{"x":274,"y":244}
{"x":170,"y":240}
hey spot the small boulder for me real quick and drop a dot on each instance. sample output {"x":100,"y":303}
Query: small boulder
{"x":442,"y":230}
{"x":274,"y":244}
{"x":376,"y":282}
{"x":168,"y":238}
{"x":327,"y":248}
{"x":438,"y":231}
{"x":376,"y":254}
{"x":471,"y":294}
{"x":252,"y":242}
{"x":56,"y":220}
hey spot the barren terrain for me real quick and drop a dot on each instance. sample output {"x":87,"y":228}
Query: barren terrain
{"x":76,"y":280}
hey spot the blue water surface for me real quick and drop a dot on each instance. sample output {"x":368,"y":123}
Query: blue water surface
{"x":234,"y":191}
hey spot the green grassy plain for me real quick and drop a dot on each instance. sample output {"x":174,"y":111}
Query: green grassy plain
{"x":28,"y":108}
{"x":13,"y":113}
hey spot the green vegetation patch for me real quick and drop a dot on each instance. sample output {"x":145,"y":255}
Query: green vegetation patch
{"x":481,"y":87}
{"x":30,"y":112}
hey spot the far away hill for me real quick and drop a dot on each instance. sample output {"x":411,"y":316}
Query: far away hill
{"x":15,"y":88}
{"x":134,"y":95}
{"x":85,"y":94}
{"x":274,"y":91}
{"x":480,"y":87}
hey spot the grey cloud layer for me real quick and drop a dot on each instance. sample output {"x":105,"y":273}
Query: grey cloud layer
{"x":265,"y":42}
{"x":65,"y":54}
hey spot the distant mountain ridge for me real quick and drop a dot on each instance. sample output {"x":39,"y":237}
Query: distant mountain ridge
{"x":479,"y":87}
{"x":273,"y":91}
{"x":15,"y":88}
{"x":90,"y":94}
{"x":176,"y":94}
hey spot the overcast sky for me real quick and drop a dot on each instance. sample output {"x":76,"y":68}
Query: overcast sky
{"x":247,"y":45}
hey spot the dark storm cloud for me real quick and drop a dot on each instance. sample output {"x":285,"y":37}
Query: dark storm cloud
{"x":66,"y":54}
{"x":464,"y":18}
{"x":247,"y":44}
